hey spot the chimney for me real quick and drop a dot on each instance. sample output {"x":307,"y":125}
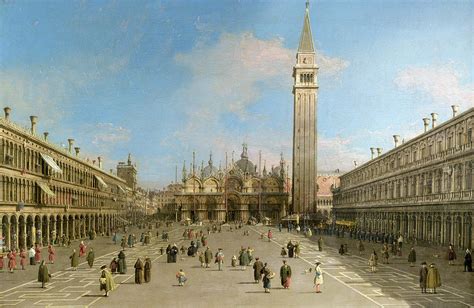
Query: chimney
{"x":7,"y":111}
{"x":99,"y":159}
{"x":78,"y":150}
{"x":71,"y":142}
{"x":372,"y":151}
{"x":455,"y":110}
{"x":34,"y":120}
{"x":396,"y":140}
{"x":379,"y":151}
{"x":434,"y":117}
{"x":45,"y":134}
{"x":426,"y":123}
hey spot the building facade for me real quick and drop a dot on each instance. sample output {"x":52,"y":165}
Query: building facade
{"x":236,"y":193}
{"x":305,"y":90}
{"x":47,"y":191}
{"x":422,"y":188}
{"x":325,"y":184}
{"x":166,"y":200}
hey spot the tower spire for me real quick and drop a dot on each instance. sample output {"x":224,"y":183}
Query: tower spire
{"x":306,"y":38}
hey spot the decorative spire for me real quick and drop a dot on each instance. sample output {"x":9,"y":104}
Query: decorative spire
{"x":306,"y":39}
{"x":244,"y":154}
{"x":129,"y":161}
{"x":194,"y":162}
{"x":264,"y":168}
{"x":210,"y":159}
{"x":184,"y":171}
{"x":202,"y":168}
{"x":233,"y":152}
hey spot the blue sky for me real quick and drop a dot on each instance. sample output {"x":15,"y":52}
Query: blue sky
{"x":160,"y":79}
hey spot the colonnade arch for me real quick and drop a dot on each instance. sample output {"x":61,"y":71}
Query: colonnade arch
{"x":22,"y":230}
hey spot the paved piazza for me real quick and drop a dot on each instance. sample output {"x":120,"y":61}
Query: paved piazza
{"x":347,"y":280}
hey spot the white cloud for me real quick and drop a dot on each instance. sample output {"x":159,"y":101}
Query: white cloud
{"x":108,"y":133}
{"x":442,"y":85}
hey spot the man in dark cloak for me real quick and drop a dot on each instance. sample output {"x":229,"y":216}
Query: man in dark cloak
{"x":291,"y":249}
{"x":43,"y":274}
{"x":122,"y":265}
{"x":257,"y":270}
{"x":139,"y":271}
{"x":168,"y":253}
{"x":147,"y":269}
{"x":174,"y":253}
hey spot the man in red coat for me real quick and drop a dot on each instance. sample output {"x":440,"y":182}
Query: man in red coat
{"x":51,"y":254}
{"x":37,"y":253}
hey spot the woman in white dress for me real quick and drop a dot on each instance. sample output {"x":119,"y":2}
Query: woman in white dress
{"x":318,"y":278}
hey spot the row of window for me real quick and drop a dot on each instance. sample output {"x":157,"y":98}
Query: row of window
{"x":27,"y":191}
{"x":28,"y":160}
{"x":405,"y":158}
{"x":449,"y":179}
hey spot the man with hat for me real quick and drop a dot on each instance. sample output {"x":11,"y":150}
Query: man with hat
{"x":106,"y":280}
{"x":257,"y":269}
{"x":423,"y":277}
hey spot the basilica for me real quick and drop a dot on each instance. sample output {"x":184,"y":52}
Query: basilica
{"x":238,"y":192}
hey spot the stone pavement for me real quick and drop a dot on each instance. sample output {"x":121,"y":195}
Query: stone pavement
{"x":77,"y":288}
{"x":390,"y":285}
{"x":347,"y":280}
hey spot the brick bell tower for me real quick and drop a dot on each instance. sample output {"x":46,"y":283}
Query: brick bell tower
{"x":305,"y":90}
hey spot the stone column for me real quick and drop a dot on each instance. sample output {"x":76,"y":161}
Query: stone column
{"x":73,"y":228}
{"x":16,"y":244}
{"x":6,"y":234}
{"x":24,"y":237}
{"x":47,"y":230}
{"x":61,"y":228}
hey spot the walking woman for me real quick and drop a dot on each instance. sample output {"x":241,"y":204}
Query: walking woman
{"x":373,"y":262}
{"x":318,"y":278}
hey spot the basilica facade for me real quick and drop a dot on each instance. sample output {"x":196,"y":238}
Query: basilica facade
{"x":234,"y":193}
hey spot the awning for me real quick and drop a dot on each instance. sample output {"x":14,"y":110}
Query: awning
{"x":345,"y":223}
{"x":121,"y":188}
{"x":45,"y":188}
{"x":102,"y":182}
{"x":50,"y":161}
{"x":123,"y":220}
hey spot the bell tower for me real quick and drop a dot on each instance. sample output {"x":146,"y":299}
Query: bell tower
{"x":305,"y":90}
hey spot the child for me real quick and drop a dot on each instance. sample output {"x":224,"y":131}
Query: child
{"x":234,"y":261}
{"x":201,"y":259}
{"x":283,"y":252}
{"x":181,"y":276}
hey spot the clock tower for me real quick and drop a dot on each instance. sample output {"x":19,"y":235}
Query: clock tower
{"x":305,"y":91}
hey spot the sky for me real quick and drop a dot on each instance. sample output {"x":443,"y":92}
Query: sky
{"x":161,"y":79}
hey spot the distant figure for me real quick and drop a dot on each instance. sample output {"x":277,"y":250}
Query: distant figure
{"x":412,"y":257}
{"x":122,"y":264}
{"x":31,"y":255}
{"x":11,"y":260}
{"x":318,"y":277}
{"x":113,"y":266}
{"x":451,"y":255}
{"x":468,"y":261}
{"x":285,"y":275}
{"x":22,"y":258}
{"x":267,"y":276}
{"x":139,"y":271}
{"x":90,"y":257}
{"x":82,"y":249}
{"x":291,"y":249}
{"x":297,"y":250}
{"x":341,"y":250}
{"x":257,"y":270}
{"x":373,"y":261}
{"x":270,"y":235}
{"x":360,"y":247}
{"x":423,"y":277}
{"x":283,"y":252}
{"x":106,"y":280}
{"x":37,"y":253}
{"x":43,"y":274}
{"x":233,"y":262}
{"x":219,"y":258}
{"x":207,"y":257}
{"x":51,"y":254}
{"x":320,"y":244}
{"x":433,"y":279}
{"x":74,"y":260}
{"x":147,"y":269}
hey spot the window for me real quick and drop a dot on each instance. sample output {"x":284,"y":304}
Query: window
{"x":469,"y":135}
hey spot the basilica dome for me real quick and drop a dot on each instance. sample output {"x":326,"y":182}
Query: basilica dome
{"x":244,"y":164}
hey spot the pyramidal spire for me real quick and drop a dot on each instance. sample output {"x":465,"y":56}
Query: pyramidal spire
{"x":306,"y":39}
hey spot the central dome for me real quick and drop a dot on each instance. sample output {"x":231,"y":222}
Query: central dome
{"x":244,"y":164}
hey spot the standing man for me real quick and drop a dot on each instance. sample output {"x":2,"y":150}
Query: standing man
{"x":74,"y":260}
{"x":207,"y":256}
{"x":51,"y":254}
{"x":37,"y":253}
{"x":257,"y":269}
{"x":82,"y":249}
{"x":320,"y":244}
{"x":243,"y":259}
{"x":106,"y":280}
{"x":147,"y":269}
{"x":43,"y":274}
{"x":285,"y":275}
{"x":138,"y":271}
{"x":468,"y":261}
{"x":412,"y":257}
{"x":423,"y":277}
{"x":31,"y":255}
{"x":122,"y":265}
{"x":290,"y":248}
{"x":90,"y":258}
{"x":220,"y":258}
{"x":433,"y":279}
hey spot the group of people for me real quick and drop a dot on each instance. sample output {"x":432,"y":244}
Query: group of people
{"x":294,"y":250}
